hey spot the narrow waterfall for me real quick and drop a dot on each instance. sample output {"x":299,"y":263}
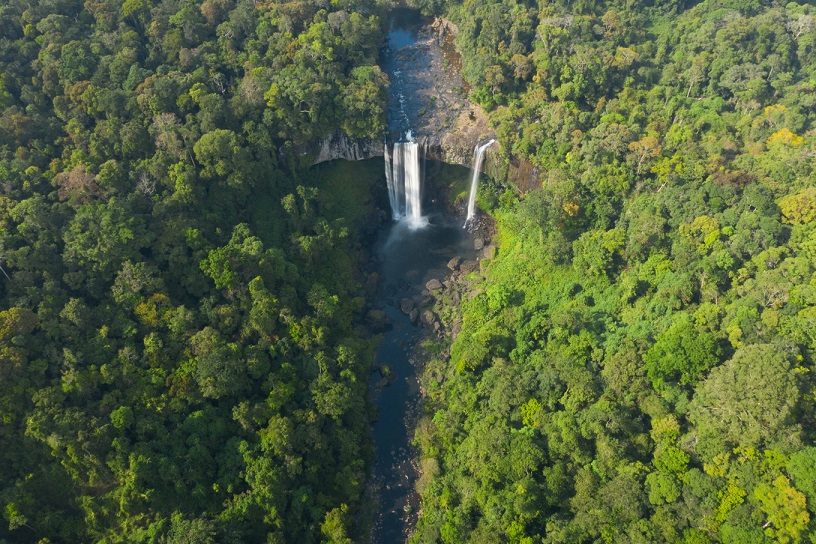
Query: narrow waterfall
{"x":392,"y":182}
{"x":404,"y":179}
{"x":478,"y":158}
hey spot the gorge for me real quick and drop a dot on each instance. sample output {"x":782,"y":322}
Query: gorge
{"x":238,"y":306}
{"x":412,"y":253}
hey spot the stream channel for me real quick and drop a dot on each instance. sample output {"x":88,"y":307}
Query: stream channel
{"x":408,"y":258}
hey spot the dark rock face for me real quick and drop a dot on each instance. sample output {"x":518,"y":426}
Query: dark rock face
{"x":340,"y":146}
{"x":371,"y":284}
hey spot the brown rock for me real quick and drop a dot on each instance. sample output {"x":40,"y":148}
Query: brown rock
{"x":468,"y":266}
{"x":453,"y":264}
{"x":434,"y":285}
{"x":371,"y":284}
{"x":478,"y":244}
{"x":407,"y":306}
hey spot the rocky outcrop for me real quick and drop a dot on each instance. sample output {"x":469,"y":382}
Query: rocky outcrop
{"x":407,"y":306}
{"x":435,"y":100}
{"x":433,"y":285}
{"x":338,"y":146}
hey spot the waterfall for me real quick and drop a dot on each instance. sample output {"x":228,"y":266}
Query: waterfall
{"x":478,"y":157}
{"x":392,"y":181}
{"x":404,"y":179}
{"x":413,"y":187}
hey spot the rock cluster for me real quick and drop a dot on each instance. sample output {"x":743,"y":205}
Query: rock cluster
{"x":437,"y":306}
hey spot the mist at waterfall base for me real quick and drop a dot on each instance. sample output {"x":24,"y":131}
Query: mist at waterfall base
{"x":404,"y":179}
{"x":478,"y":158}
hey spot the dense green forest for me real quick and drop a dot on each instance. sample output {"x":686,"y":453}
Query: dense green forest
{"x":638,"y":363}
{"x":180,"y":301}
{"x":177,"y":303}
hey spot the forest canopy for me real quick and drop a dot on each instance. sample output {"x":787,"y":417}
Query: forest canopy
{"x":180,"y":300}
{"x":176,"y":368}
{"x":637,"y":365}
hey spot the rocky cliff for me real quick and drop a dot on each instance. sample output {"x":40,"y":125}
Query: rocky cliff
{"x":444,"y":120}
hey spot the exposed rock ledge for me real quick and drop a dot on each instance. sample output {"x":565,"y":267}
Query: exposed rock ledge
{"x":340,"y":146}
{"x":448,"y":123}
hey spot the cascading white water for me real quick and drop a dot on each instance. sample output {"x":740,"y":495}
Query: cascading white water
{"x":404,"y":179}
{"x":413,"y":185}
{"x":478,"y":158}
{"x":392,"y":182}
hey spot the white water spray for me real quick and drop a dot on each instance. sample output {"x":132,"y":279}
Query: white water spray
{"x":478,"y":158}
{"x":404,"y":179}
{"x":391,"y":181}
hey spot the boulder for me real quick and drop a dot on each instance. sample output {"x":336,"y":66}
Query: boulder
{"x":434,"y":285}
{"x":414,"y":316}
{"x":371,"y":284}
{"x":378,"y":320}
{"x":468,"y":266}
{"x":453,"y":264}
{"x":428,"y":317}
{"x":407,"y":306}
{"x":478,"y":244}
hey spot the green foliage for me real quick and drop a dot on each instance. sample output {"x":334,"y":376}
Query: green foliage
{"x":175,"y":368}
{"x":654,"y":274}
{"x":681,"y":354}
{"x":749,"y":400}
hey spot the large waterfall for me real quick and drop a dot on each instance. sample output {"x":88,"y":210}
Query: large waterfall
{"x":478,"y":158}
{"x":404,"y":179}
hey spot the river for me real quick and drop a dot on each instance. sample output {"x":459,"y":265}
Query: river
{"x":408,"y":258}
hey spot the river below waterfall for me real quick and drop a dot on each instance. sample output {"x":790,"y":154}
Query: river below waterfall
{"x":408,"y":260}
